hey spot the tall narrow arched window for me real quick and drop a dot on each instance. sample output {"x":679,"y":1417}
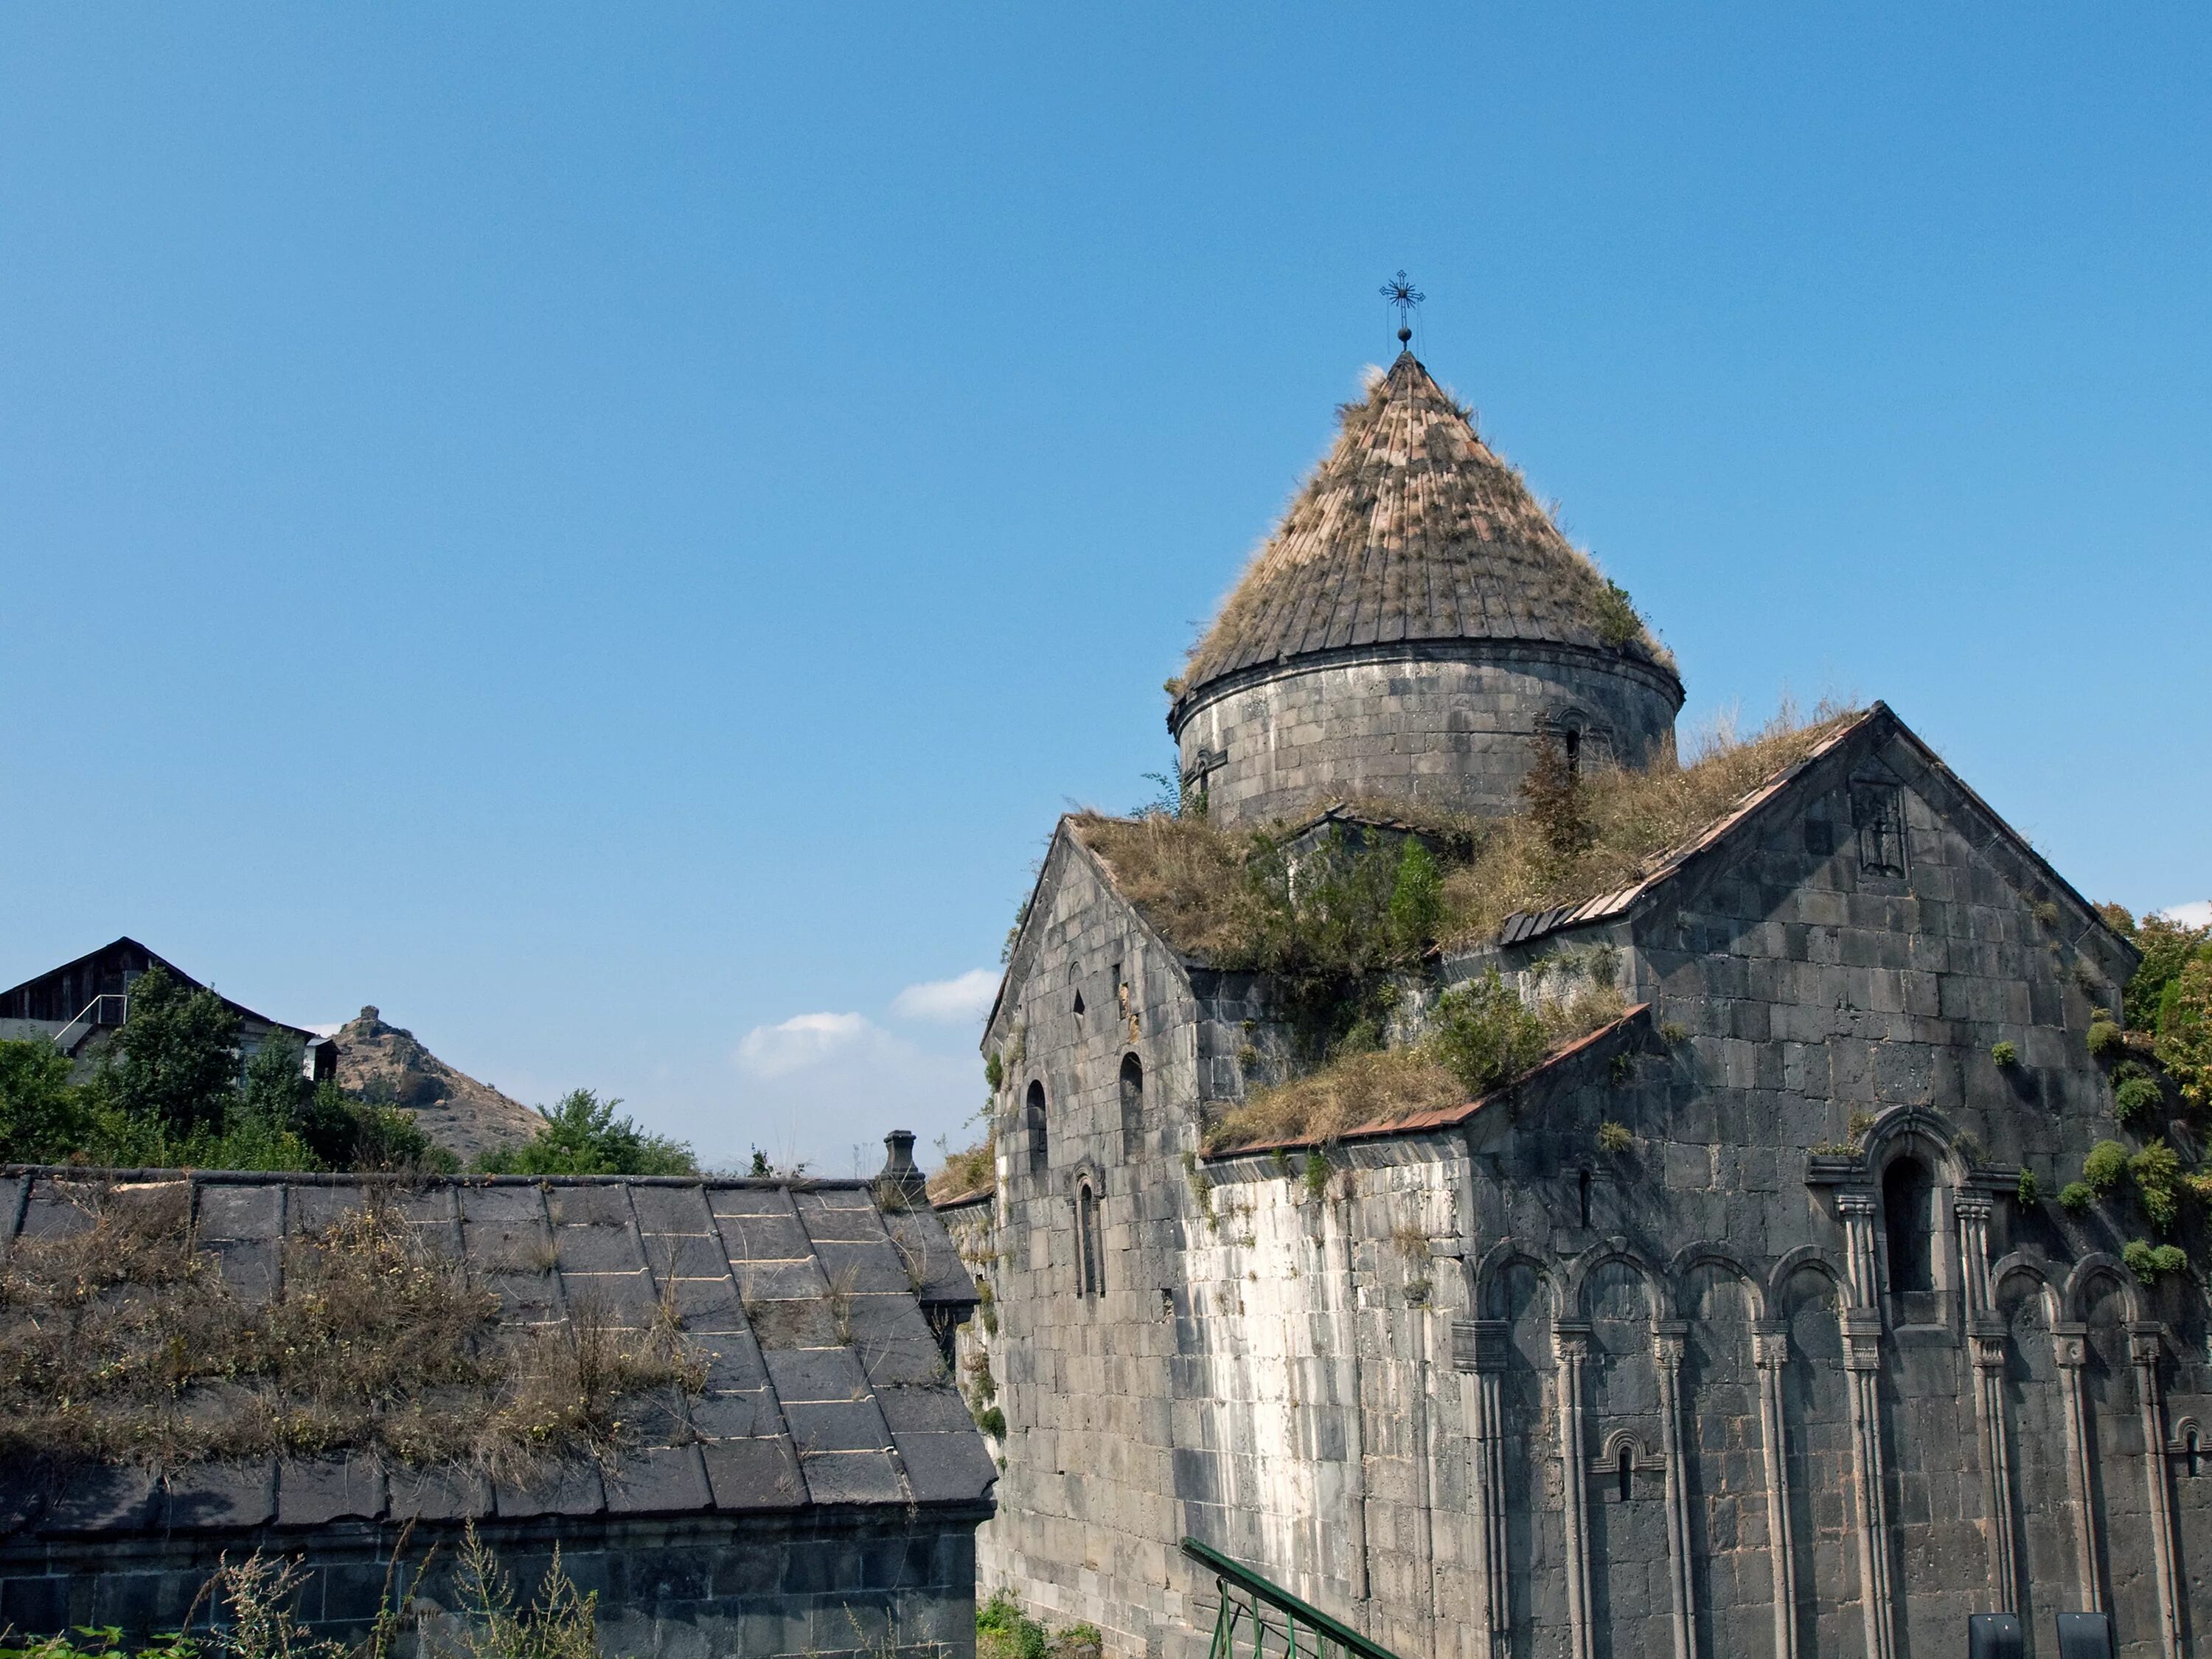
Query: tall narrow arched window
{"x":1090,"y":1274}
{"x":1908,"y":1216}
{"x":1033,"y":1114}
{"x":1573,"y":744}
{"x":1132,"y":1105}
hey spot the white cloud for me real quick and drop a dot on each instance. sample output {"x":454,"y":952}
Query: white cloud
{"x":825,"y":1087}
{"x":802,"y":1041}
{"x":2190,"y":915}
{"x":948,"y":1001}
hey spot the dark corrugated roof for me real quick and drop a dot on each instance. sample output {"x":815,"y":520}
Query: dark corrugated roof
{"x":1412,"y":529}
{"x":812,"y":1305}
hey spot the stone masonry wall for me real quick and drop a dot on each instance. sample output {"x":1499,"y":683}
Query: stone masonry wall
{"x":1735,"y":1390}
{"x":822,"y":1586}
{"x":1445,"y":726}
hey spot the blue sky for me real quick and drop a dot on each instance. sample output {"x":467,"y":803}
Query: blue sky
{"x":612,"y":533}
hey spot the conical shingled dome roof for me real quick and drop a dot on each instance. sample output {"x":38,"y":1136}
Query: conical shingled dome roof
{"x":1413,"y":529}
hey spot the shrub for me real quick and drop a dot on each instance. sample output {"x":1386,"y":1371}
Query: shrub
{"x":1558,"y":804}
{"x":2102,"y":1170}
{"x":2076,"y":1196}
{"x":1417,"y":899}
{"x":2030,"y":1190}
{"x":1004,"y":1631}
{"x":2149,"y":1261}
{"x":2006,"y":1055}
{"x":1674,"y":1034}
{"x":992,"y":1421}
{"x":1618,"y":619}
{"x":1485,"y":1034}
{"x":994,"y":1070}
{"x":2136,"y":1097}
{"x":2105,"y":1038}
{"x":2156,"y":1172}
{"x":1614,"y":1138}
{"x":1315,"y":1174}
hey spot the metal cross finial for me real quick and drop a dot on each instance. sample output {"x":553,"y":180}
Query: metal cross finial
{"x":1401,"y":292}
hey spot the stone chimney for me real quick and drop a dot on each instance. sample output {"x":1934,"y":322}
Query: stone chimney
{"x":900,"y":1186}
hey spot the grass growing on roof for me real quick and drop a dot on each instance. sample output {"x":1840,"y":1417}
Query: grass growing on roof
{"x":1222,"y":895}
{"x":124,"y":1342}
{"x":1482,"y":1037}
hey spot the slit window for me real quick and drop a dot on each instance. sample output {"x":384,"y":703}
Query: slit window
{"x":1132,"y":1105}
{"x":1583,"y":1181}
{"x":1033,"y":1116}
{"x":1090,"y":1275}
{"x":1625,"y":1472}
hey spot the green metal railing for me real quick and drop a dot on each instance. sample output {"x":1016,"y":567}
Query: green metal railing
{"x":1261,"y":1619}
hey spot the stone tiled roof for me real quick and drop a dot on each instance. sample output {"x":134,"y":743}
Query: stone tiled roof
{"x":1411,"y":529}
{"x":817,"y":1311}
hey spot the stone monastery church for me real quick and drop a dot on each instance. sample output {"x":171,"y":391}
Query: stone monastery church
{"x":1746,"y":1323}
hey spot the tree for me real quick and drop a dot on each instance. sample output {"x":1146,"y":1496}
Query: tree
{"x":175,"y":1060}
{"x":2167,"y":947}
{"x":582,"y":1135}
{"x":2184,"y":1031}
{"x":42,"y":1118}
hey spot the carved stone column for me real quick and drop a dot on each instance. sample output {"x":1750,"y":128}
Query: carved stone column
{"x":1985,"y":1347}
{"x":2069,"y":1345}
{"x":1770,"y":1353}
{"x":2144,"y":1350}
{"x":1479,"y":1345}
{"x":1571,"y":1341}
{"x":1985,"y":1342}
{"x":1862,"y":1332}
{"x":1668,"y":1338}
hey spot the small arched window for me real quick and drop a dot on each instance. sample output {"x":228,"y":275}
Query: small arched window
{"x":1572,"y":741}
{"x":1132,"y":1105}
{"x":1090,"y":1275}
{"x":1624,"y":1471}
{"x":1908,"y":1214}
{"x":1582,"y":1181}
{"x":1033,"y":1116}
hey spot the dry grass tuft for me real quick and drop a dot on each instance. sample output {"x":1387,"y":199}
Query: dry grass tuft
{"x":970,"y":1169}
{"x":1187,"y":877}
{"x":1357,"y":1091}
{"x":124,"y":1341}
{"x":1633,"y":817}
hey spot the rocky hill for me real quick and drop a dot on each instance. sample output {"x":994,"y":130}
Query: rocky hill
{"x":386,"y":1065}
